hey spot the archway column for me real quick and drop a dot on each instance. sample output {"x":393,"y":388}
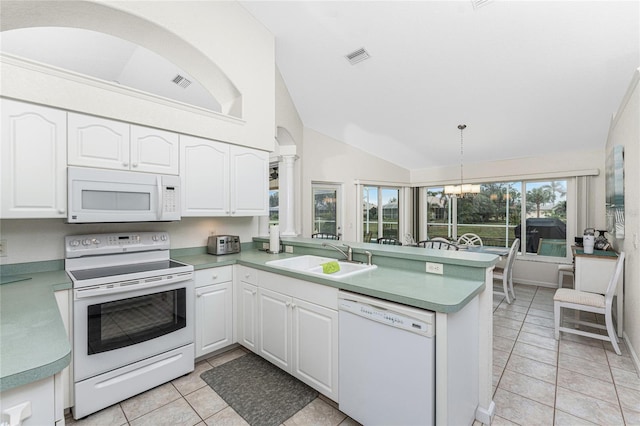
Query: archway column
{"x":287,"y":197}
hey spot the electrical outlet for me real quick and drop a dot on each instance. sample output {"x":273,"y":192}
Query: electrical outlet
{"x":265,"y":246}
{"x":434,"y":268}
{"x":288,"y":249}
{"x":3,"y":248}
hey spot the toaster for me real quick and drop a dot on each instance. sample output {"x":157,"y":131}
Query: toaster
{"x":223,"y":244}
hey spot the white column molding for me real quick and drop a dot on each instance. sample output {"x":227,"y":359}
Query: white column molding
{"x":287,"y":199}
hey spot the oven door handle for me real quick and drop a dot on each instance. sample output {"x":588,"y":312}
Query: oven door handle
{"x":129,"y":286}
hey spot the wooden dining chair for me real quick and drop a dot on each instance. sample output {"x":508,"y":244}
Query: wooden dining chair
{"x":389,"y":241}
{"x":325,"y":236}
{"x":589,"y":302}
{"x":506,"y":274}
{"x":470,"y":239}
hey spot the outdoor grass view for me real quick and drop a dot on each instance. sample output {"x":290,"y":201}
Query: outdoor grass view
{"x":496,"y":215}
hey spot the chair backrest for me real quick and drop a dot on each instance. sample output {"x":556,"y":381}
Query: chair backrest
{"x":367,"y":237}
{"x":438,"y":244}
{"x":613,"y":283}
{"x":511,"y":258}
{"x":389,"y":241}
{"x":470,"y":239}
{"x":325,"y":236}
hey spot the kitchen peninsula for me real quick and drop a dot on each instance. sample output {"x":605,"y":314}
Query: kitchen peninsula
{"x":462,"y":308}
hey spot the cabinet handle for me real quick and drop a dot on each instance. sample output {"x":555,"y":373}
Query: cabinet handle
{"x":247,"y":276}
{"x":293,"y":306}
{"x":199,"y":295}
{"x":61,"y":211}
{"x":215,"y":277}
{"x":253,"y":292}
{"x":287,"y":304}
{"x":135,"y":165}
{"x":125,"y":164}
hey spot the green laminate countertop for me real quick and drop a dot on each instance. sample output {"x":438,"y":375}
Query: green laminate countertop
{"x":418,"y":289}
{"x":33,"y":341}
{"x":34,"y":344}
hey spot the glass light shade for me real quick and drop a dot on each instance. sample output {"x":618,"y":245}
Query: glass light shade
{"x":461,"y":189}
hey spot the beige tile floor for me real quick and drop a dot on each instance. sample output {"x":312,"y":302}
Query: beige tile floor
{"x":540,"y":381}
{"x":537,"y":381}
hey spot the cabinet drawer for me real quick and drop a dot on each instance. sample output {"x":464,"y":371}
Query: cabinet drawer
{"x":214,"y":275}
{"x":248,"y":275}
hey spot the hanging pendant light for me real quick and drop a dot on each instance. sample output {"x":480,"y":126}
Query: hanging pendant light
{"x":462,"y":188}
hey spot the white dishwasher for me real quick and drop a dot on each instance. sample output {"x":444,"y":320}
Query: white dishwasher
{"x":387,"y":362}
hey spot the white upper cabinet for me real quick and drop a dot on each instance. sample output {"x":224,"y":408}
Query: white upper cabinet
{"x":34,"y":169}
{"x":109,"y":144}
{"x":98,"y":142}
{"x":219,"y":179}
{"x":204,"y":174}
{"x":249,"y":182}
{"x":154,"y":151}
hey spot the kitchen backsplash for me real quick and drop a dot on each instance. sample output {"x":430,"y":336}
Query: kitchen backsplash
{"x":33,"y":240}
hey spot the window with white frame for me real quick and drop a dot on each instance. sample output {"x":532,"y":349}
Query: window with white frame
{"x":497,"y":214}
{"x":380,"y":213}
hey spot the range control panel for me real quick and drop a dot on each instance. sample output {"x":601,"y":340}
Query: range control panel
{"x":97,"y":244}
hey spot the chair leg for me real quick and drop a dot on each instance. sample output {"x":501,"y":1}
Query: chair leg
{"x":556,"y":319}
{"x":513,"y":292}
{"x":505,"y":287}
{"x":611,"y":331}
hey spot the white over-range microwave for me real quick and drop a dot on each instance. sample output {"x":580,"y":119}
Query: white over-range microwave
{"x":96,"y":195}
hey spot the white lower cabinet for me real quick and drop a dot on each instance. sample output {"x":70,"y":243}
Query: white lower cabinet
{"x":297,"y":326}
{"x":314,"y":346}
{"x":275,"y":327}
{"x":247,"y":317}
{"x":214,"y":309}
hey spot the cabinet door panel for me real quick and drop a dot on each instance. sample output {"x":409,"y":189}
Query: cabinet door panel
{"x":213,"y":318}
{"x":98,"y":142}
{"x":250,"y":182}
{"x":154,"y":151}
{"x":204,"y":172}
{"x":248,"y":316}
{"x":274,"y":311}
{"x":315,"y":346}
{"x":34,"y":178}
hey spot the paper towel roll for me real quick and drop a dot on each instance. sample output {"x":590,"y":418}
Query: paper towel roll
{"x":274,"y":239}
{"x":587,"y":243}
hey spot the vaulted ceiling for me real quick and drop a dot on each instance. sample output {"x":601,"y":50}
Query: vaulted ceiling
{"x":526,"y":77}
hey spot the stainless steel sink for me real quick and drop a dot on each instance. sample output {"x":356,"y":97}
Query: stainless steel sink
{"x":309,"y":264}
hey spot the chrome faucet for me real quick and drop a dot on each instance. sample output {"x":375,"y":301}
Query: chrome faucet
{"x":348,"y":254}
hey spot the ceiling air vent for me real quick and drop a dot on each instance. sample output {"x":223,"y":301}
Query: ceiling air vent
{"x":181,"y":81}
{"x":357,"y":56}
{"x":479,"y":3}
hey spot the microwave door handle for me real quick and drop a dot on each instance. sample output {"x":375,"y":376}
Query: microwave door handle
{"x":160,"y":201}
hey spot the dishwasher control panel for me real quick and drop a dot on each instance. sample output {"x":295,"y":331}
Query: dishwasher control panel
{"x":412,"y":320}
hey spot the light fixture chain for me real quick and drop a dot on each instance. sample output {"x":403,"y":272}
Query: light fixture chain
{"x":461,"y":127}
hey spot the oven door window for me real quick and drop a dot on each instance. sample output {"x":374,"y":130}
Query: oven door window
{"x":125,"y":322}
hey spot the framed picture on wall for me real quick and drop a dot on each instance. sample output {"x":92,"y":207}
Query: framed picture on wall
{"x":615,"y":191}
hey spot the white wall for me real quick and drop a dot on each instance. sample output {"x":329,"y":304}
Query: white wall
{"x":328,"y":160}
{"x":287,"y":118}
{"x":625,"y":131}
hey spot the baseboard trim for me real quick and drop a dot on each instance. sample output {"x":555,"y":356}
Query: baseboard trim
{"x":486,"y":415}
{"x":634,"y":355}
